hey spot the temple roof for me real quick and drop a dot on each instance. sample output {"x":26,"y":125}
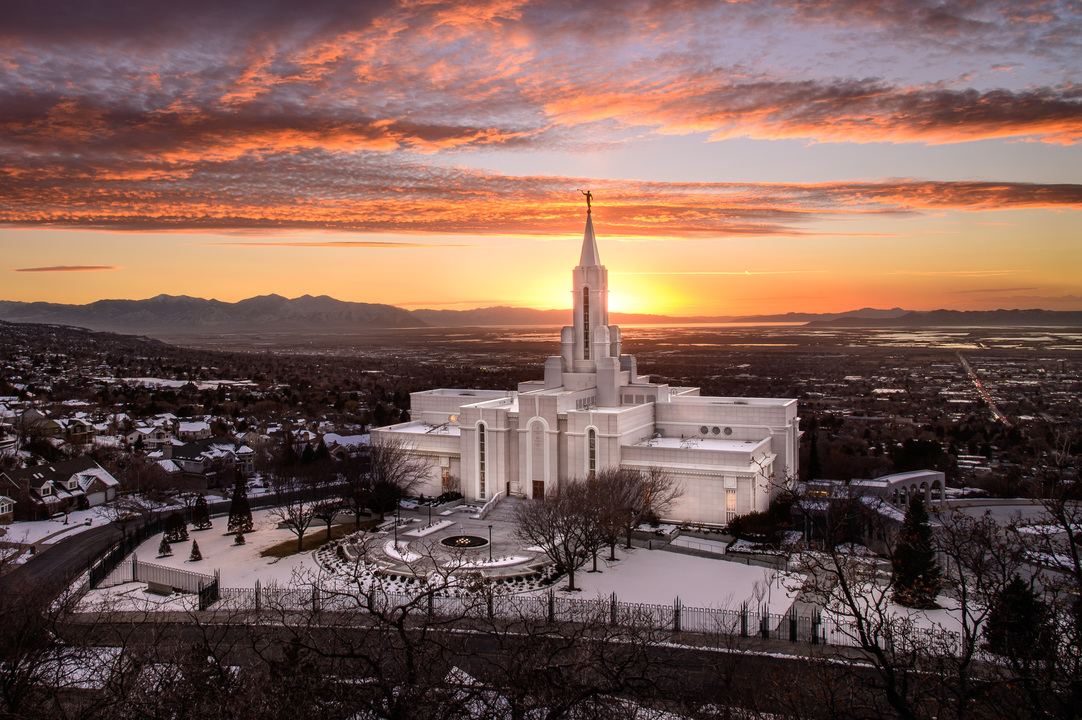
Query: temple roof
{"x":589,"y":258}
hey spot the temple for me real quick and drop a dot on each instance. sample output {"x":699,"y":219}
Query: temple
{"x":593,"y":410}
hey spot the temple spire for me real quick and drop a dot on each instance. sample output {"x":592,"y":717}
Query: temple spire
{"x":589,"y":258}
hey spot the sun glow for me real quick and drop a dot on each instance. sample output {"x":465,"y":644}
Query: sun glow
{"x":623,"y":302}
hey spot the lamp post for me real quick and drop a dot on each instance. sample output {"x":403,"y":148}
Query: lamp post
{"x":430,"y":514}
{"x":490,"y":543}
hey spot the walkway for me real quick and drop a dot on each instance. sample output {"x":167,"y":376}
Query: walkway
{"x":487,"y":547}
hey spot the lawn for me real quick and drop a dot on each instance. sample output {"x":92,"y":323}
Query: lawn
{"x":315,"y":537}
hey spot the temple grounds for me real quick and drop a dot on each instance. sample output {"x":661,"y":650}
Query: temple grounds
{"x":639,"y":575}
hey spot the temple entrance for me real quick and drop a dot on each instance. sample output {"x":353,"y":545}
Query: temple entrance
{"x":538,"y":489}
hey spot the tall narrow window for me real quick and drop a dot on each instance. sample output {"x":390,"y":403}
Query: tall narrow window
{"x":730,"y":505}
{"x":591,"y":453}
{"x":586,"y":323}
{"x":481,"y":458}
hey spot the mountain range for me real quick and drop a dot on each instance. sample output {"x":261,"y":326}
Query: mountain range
{"x":181,"y":314}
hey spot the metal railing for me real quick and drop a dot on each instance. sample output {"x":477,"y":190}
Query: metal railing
{"x":718,"y":626}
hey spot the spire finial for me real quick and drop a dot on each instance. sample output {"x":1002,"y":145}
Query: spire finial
{"x":589,"y":196}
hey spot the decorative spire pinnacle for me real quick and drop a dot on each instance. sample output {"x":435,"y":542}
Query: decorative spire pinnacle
{"x":589,"y":258}
{"x":589,"y":196}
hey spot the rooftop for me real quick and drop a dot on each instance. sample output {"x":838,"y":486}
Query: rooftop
{"x":697,"y":443}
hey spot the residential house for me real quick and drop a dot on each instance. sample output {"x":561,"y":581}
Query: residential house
{"x":213,"y":460}
{"x":152,"y":437}
{"x":189,"y":430}
{"x":45,"y":490}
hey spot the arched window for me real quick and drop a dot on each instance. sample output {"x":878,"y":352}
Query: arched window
{"x":482,"y":458}
{"x":585,"y":323}
{"x":591,"y":453}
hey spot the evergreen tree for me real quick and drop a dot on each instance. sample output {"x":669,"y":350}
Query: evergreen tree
{"x":239,"y":539}
{"x":288,"y":457}
{"x":176,"y":529}
{"x":165,"y":549}
{"x":240,"y":512}
{"x":196,"y":555}
{"x":916,"y":578}
{"x":201,"y":514}
{"x":815,"y":467}
{"x":1019,"y":624}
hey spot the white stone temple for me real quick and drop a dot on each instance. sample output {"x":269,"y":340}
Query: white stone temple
{"x":593,"y":410}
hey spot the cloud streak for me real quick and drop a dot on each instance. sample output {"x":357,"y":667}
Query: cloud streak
{"x":335,"y":244}
{"x":372,"y":192}
{"x":67,"y":268}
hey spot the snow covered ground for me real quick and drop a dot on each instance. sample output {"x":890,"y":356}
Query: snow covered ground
{"x":659,"y":577}
{"x":240,"y":565}
{"x":54,"y":530}
{"x":640,"y":576}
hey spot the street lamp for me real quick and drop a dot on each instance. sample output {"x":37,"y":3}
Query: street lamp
{"x":490,"y":543}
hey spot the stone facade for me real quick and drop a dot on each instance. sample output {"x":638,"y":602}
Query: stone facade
{"x":593,"y":410}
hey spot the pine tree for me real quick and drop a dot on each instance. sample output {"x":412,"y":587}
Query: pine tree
{"x":916,"y":579}
{"x":815,"y":467}
{"x":240,"y":512}
{"x":239,"y":539}
{"x":165,"y":549}
{"x":196,"y":555}
{"x":201,"y":514}
{"x":1018,"y":625}
{"x":176,"y":529}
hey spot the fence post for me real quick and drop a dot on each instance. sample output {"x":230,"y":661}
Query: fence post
{"x":490,"y":611}
{"x":431,"y":602}
{"x":764,"y":623}
{"x":612,"y":610}
{"x":744,"y":620}
{"x":815,"y":621}
{"x":315,"y":598}
{"x":552,"y":606}
{"x":257,"y":595}
{"x":676,"y":615}
{"x":792,"y":625}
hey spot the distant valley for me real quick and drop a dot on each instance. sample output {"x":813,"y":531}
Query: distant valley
{"x":183,"y":315}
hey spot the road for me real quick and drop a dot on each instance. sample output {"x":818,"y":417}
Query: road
{"x":62,"y":562}
{"x":996,"y":414}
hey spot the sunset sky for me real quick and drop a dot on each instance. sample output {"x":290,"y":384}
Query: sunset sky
{"x":744,"y":157}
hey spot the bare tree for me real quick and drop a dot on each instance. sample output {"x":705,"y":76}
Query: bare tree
{"x":352,"y":471}
{"x":393,"y":472}
{"x":126,"y":510}
{"x":30,"y":642}
{"x":139,"y":475}
{"x":327,"y":510}
{"x":1054,"y":545}
{"x":632,"y":496}
{"x":561,"y":524}
{"x":297,"y":494}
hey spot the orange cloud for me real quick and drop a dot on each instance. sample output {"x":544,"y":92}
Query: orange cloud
{"x":365,"y":192}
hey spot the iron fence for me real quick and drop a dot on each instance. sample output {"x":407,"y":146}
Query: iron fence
{"x":100,"y":569}
{"x":714,"y":625}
